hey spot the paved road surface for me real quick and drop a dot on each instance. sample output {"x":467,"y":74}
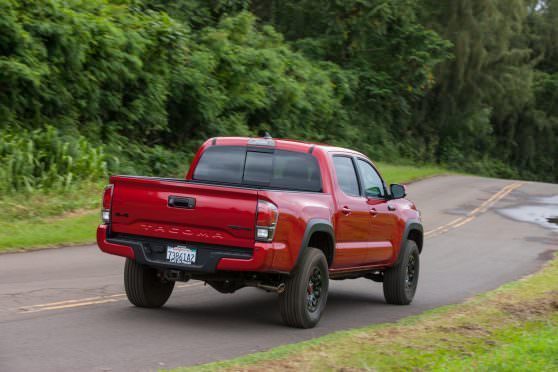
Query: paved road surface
{"x":64,"y":309}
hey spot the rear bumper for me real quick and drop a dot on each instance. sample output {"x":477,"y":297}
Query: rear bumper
{"x":150,"y":251}
{"x":107,"y":247}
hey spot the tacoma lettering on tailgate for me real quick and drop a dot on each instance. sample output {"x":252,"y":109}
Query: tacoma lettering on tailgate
{"x":179,"y":231}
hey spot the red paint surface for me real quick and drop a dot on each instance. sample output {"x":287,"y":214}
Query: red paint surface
{"x":119,"y":250}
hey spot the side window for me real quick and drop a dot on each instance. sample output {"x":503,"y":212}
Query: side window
{"x":371,"y":181}
{"x":346,"y":175}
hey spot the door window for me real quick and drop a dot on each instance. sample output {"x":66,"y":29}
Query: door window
{"x":371,"y":180}
{"x":346,"y":175}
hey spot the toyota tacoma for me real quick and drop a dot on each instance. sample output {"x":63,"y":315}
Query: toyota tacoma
{"x":281,"y":215}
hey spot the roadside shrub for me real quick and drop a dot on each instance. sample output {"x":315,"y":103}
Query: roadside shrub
{"x":240,"y":79}
{"x":97,"y":66}
{"x":132,"y":158}
{"x":47,"y":159}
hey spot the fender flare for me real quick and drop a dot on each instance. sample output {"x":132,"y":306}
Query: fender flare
{"x":410,"y":225}
{"x":316,"y":225}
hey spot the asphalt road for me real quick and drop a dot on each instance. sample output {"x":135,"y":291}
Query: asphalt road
{"x":64,"y":309}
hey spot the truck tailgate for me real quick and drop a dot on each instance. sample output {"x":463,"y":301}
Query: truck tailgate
{"x":181,"y":210}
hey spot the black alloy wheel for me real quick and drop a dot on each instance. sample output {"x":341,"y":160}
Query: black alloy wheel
{"x":401,"y":280}
{"x":314,"y":290}
{"x":304,"y":299}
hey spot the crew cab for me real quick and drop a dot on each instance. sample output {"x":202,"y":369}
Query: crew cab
{"x":281,"y":215}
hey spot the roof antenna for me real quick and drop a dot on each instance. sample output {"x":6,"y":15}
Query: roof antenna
{"x":264,"y":140}
{"x":265,"y":135}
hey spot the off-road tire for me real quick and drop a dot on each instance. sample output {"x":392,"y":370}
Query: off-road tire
{"x":397,"y":290}
{"x":297,"y":303}
{"x":144,"y":287}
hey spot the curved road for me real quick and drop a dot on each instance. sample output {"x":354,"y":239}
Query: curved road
{"x":64,"y":309}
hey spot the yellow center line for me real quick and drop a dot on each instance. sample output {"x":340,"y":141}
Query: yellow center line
{"x":457,"y":220}
{"x":495,"y":197}
{"x":68,"y":304}
{"x":74,"y":301}
{"x":483,"y":207}
{"x":492,"y":202}
{"x":72,"y":305}
{"x":467,"y":220}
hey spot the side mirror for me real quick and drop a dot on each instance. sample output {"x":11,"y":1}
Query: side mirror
{"x":397,"y":191}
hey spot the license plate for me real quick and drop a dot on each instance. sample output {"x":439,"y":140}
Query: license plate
{"x":181,"y":255}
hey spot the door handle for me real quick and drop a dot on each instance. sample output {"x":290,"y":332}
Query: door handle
{"x":180,"y":202}
{"x":373,"y":212}
{"x":346,"y":210}
{"x":391,"y":207}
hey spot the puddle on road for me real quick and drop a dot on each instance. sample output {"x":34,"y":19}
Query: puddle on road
{"x":543,"y":212}
{"x":548,"y":200}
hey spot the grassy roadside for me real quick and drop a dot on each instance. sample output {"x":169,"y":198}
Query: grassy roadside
{"x":37,"y":233}
{"x":512,"y":328}
{"x":55,"y":219}
{"x":407,"y":173}
{"x":50,"y":219}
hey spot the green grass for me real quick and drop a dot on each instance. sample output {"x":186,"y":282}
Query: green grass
{"x":514,"y":328}
{"x":40,"y":233}
{"x":533,"y":346}
{"x":49,"y":219}
{"x":44,"y":204}
{"x":407,"y":173}
{"x":42,"y":219}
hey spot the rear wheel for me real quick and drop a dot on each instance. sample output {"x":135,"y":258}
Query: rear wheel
{"x":400,"y":281}
{"x":304,"y":299}
{"x":144,"y":287}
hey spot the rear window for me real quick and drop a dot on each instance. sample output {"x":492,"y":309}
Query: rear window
{"x":224,"y":165}
{"x":276,"y":169}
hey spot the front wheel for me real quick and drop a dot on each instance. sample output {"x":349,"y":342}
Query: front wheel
{"x":400,"y":281}
{"x":304,"y":299}
{"x":144,"y":287}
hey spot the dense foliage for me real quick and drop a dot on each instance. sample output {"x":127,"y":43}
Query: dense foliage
{"x":45,"y":159}
{"x":472,"y":84}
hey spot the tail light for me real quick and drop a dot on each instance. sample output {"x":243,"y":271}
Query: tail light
{"x":107,"y":199}
{"x":266,"y":221}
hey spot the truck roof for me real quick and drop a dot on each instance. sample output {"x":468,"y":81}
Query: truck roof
{"x":283,"y":143}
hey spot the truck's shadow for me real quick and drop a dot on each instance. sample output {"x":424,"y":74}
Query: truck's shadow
{"x":251,"y":310}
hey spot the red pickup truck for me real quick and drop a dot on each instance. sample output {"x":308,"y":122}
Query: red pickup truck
{"x":282,"y":215}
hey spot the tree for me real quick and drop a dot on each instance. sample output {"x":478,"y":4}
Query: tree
{"x":382,"y":42}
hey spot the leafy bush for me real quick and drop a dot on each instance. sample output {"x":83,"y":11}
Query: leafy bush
{"x":132,"y":158}
{"x":241,"y":79}
{"x":47,"y":159}
{"x":98,"y":66}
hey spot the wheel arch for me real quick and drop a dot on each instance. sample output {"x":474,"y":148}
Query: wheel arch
{"x":413,"y":231}
{"x":318,"y":234}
